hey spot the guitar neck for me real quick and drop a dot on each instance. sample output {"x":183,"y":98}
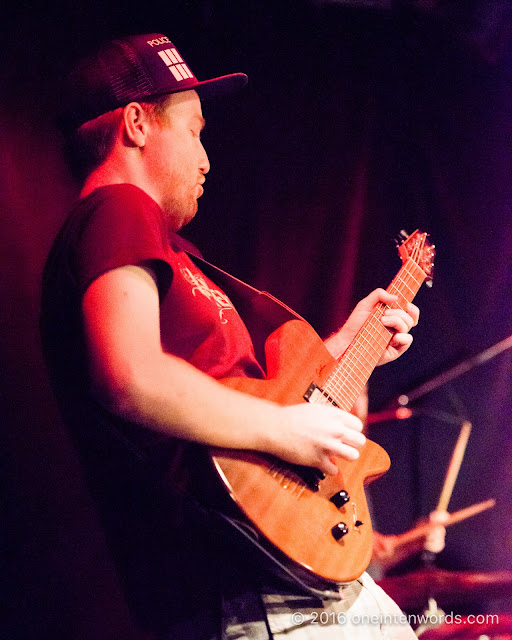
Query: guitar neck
{"x":359,"y":360}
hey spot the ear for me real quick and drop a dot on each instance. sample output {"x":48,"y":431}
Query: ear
{"x":135,"y":121}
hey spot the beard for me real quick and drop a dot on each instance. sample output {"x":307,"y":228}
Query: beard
{"x":179,"y":209}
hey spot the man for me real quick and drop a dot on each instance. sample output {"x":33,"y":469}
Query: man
{"x":137,"y":335}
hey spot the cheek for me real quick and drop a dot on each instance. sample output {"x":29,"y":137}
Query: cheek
{"x":161,"y":165}
{"x":180,"y":160}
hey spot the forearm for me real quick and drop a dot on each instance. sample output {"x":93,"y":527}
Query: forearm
{"x":173,"y":397}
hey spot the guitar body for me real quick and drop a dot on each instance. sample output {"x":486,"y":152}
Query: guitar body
{"x":318,"y":528}
{"x":292,"y":517}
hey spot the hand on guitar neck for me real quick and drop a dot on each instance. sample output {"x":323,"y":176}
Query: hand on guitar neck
{"x":398,"y":320}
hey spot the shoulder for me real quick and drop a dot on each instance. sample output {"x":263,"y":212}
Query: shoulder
{"x":120,"y":213}
{"x":124,"y":199}
{"x":111,"y":227}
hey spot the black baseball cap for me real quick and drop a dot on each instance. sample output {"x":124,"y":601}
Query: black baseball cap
{"x":133,"y":68}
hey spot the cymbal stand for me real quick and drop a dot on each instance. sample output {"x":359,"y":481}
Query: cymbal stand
{"x":433,"y":614}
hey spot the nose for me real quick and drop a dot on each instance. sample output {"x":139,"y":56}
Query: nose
{"x":204,"y":163}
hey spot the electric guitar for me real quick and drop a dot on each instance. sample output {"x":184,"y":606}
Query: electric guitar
{"x":318,"y":527}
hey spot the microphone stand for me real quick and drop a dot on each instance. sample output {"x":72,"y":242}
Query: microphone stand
{"x":455,"y":372}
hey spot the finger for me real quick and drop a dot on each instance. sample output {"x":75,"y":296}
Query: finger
{"x":395,"y":323}
{"x":347,"y":452}
{"x":401,"y":341}
{"x":414,"y":312}
{"x":349,"y":420}
{"x":378,"y":295}
{"x":340,"y":418}
{"x":398,"y":319}
{"x":341,"y":449}
{"x":327,"y":466}
{"x":353,"y":438}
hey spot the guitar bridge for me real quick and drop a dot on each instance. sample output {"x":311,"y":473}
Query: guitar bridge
{"x":316,"y":394}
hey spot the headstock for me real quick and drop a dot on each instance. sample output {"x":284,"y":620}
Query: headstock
{"x":418,"y":248}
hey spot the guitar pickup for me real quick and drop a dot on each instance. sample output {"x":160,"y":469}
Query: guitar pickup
{"x":310,"y":476}
{"x":314,"y":394}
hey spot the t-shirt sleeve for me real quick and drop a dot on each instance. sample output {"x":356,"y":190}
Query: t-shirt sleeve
{"x":119,"y":227}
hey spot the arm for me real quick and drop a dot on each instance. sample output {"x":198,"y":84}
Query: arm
{"x":428,"y":534}
{"x":134,"y":378}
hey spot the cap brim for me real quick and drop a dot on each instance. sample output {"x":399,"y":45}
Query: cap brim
{"x":70,"y":120}
{"x":221,"y":85}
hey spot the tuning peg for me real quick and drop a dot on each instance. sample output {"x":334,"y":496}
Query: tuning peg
{"x":403,"y":235}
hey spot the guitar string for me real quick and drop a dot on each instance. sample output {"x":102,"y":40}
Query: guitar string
{"x":372,"y":323}
{"x":353,"y":363}
{"x":356,"y":368}
{"x":359,"y":363}
{"x":345,"y":378}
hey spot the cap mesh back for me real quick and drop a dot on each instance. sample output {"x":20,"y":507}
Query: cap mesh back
{"x":130,"y":79}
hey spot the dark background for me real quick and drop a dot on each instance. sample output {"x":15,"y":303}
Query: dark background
{"x":360,"y":119}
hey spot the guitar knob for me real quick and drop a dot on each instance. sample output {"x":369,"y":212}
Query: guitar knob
{"x":340,"y":498}
{"x":339,"y":530}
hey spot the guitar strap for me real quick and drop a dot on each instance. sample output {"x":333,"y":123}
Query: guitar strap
{"x":261,"y":312}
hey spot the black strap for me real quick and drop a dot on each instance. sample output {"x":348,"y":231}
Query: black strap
{"x":261,"y":312}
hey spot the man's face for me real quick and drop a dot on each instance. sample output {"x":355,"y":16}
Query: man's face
{"x":176,"y":159}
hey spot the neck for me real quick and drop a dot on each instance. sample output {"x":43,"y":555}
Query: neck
{"x":119,"y":168}
{"x":100,"y":178}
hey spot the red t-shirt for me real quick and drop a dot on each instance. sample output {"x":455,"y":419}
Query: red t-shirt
{"x":121,"y":225}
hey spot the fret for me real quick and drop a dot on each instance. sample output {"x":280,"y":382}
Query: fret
{"x":372,"y":324}
{"x":398,"y":291}
{"x":358,"y":357}
{"x":348,"y":369}
{"x":348,"y":385}
{"x":376,"y":341}
{"x":346,"y":382}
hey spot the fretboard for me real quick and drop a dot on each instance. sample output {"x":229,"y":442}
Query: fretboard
{"x":355,"y":366}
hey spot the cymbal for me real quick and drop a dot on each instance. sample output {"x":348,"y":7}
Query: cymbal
{"x":412,"y":590}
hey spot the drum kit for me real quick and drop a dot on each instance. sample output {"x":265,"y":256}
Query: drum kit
{"x":438,"y":587}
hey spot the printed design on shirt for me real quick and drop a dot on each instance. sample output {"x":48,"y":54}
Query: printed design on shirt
{"x":175,"y":64}
{"x":199,"y":284}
